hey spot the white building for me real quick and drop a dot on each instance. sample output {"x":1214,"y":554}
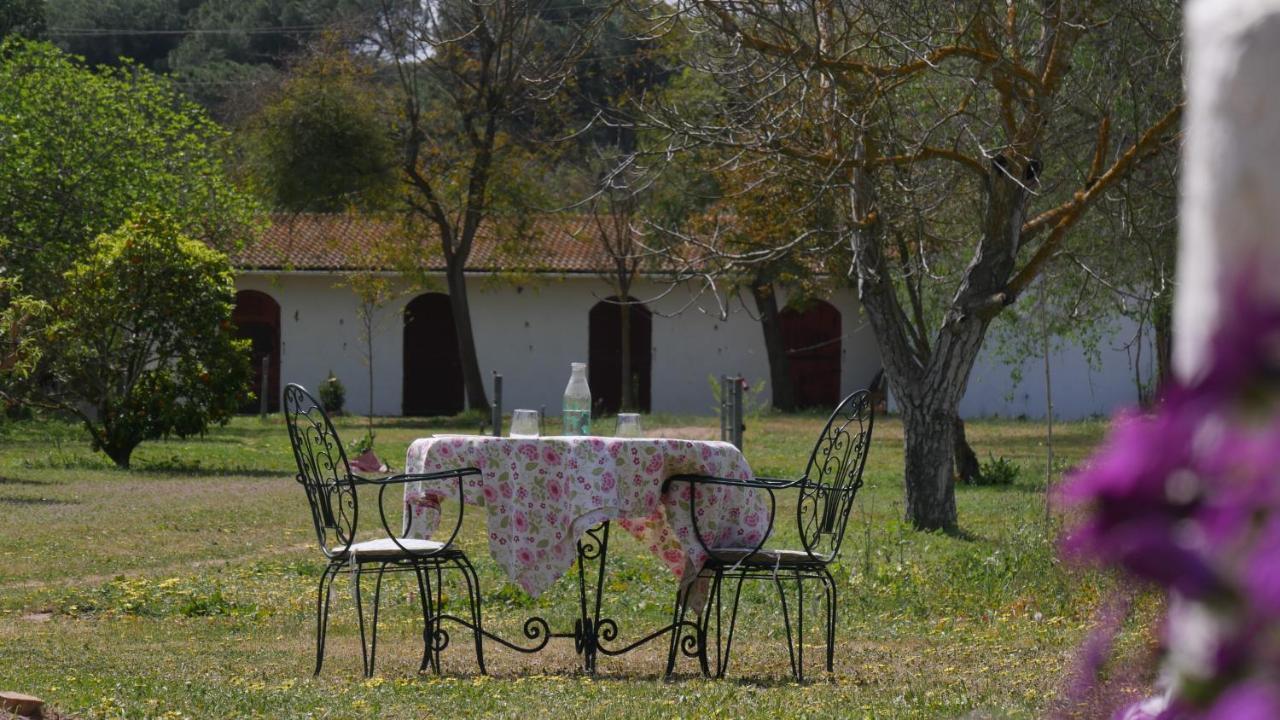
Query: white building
{"x":294,"y":300}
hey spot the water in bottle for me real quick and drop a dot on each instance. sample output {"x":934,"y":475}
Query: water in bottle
{"x":577,"y":402}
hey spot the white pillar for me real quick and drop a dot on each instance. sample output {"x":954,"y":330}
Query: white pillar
{"x":1230,"y":211}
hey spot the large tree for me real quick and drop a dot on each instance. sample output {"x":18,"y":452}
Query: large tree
{"x":86,"y":150}
{"x":966,"y":139}
{"x":474,"y":77}
{"x":322,"y":140}
{"x":86,"y":153}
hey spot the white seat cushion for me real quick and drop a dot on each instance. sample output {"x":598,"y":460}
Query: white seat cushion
{"x":387,"y":548}
{"x":767,"y":556}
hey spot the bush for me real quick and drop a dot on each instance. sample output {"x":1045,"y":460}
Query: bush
{"x":141,"y":346}
{"x":333,"y":395}
{"x":997,"y":471}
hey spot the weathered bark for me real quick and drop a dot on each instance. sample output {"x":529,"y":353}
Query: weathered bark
{"x":784,"y":396}
{"x":967,"y":467}
{"x":931,"y":490}
{"x":461,"y":308}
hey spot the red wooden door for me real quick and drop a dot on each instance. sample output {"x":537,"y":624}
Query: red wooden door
{"x":604,"y":355}
{"x":432,"y":368}
{"x":257,"y":318}
{"x":812,"y":338}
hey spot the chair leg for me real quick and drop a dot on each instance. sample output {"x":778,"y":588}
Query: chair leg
{"x":377,"y":603}
{"x":428,"y":619}
{"x":786,"y":623}
{"x":364,"y":646}
{"x":830,"y":584}
{"x":322,"y":611}
{"x":704,"y":625}
{"x":733,"y":623}
{"x":473,"y":594}
{"x":799,"y":627}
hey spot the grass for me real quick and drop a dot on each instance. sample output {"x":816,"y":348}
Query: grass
{"x":184,"y":587}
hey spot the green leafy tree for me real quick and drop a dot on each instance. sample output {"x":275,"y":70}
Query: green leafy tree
{"x":104,"y":31}
{"x":22,"y":17}
{"x":142,"y":345}
{"x":323,"y":140}
{"x":85,"y":150}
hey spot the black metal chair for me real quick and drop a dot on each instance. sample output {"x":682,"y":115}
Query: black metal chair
{"x":825,"y":497}
{"x":331,"y":488}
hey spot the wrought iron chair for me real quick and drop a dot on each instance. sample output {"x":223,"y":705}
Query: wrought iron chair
{"x":331,"y":489}
{"x":825,"y":497}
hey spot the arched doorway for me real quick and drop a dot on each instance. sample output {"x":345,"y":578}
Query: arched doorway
{"x":604,"y":354}
{"x":257,"y":319}
{"x":432,"y":368}
{"x":812,"y":338}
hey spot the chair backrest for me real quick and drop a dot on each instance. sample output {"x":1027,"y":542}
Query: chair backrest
{"x":323,"y":469}
{"x":834,"y":472}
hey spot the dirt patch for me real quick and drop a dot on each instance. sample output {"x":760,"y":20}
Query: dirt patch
{"x":37,"y":617}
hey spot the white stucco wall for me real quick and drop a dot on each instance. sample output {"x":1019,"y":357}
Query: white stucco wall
{"x":531,"y":331}
{"x":1079,"y":389}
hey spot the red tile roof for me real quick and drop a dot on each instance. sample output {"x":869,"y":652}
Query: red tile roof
{"x":340,"y":242}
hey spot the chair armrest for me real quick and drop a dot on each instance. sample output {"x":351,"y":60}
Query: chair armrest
{"x":769,"y":485}
{"x":396,"y":480}
{"x":416,"y":477}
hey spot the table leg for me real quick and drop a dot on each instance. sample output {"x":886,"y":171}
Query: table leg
{"x":589,"y":630}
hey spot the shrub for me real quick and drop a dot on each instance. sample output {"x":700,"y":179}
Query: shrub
{"x":141,"y":346}
{"x":333,"y":395}
{"x":997,"y":471}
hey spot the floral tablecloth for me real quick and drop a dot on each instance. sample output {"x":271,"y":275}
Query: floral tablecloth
{"x":541,"y":494}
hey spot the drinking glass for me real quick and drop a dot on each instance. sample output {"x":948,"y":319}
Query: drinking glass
{"x":628,"y":426}
{"x":524,"y":424}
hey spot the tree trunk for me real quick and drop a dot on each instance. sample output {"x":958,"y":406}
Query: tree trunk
{"x":784,"y":395}
{"x":471,"y":378}
{"x":966,"y":462}
{"x":1162,"y":322}
{"x":929,"y":386}
{"x":628,"y":399}
{"x":931,"y":494}
{"x":119,"y":449}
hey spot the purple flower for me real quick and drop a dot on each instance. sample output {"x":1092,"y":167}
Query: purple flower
{"x":1252,"y":700}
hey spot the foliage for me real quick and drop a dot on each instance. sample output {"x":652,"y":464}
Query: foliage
{"x":322,"y":141}
{"x":362,"y":444}
{"x":333,"y":395}
{"x":20,"y":319}
{"x":22,"y":17}
{"x":997,"y":471}
{"x":140,"y":345}
{"x":93,"y":29}
{"x":85,"y":150}
{"x":236,"y":45}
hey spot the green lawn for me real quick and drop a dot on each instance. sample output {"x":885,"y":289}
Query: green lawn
{"x":185,"y":588}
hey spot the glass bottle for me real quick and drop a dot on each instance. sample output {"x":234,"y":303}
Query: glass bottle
{"x":577,"y":402}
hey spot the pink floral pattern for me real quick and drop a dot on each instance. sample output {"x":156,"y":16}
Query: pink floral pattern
{"x":541,"y":494}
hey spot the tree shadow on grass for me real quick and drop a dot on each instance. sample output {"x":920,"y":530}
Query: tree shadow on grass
{"x":19,"y":481}
{"x":13,"y":500}
{"x":199,"y":471}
